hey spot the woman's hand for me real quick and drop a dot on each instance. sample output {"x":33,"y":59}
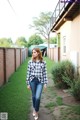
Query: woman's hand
{"x":45,"y":86}
{"x":29,"y":87}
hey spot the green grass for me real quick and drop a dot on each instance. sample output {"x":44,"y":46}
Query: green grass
{"x":59,"y":100}
{"x":50,"y":104}
{"x":14,"y":96}
{"x":49,"y":64}
{"x":55,"y":103}
{"x":76,"y":109}
{"x":70,"y":113}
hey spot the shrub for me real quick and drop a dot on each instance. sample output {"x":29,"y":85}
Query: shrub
{"x":75,"y":88}
{"x":63,"y":74}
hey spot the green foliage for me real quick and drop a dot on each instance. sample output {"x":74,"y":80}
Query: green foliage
{"x":58,"y":40}
{"x":21,"y":41}
{"x":10,"y":41}
{"x":49,"y":64}
{"x":59,"y":100}
{"x":35,"y":40}
{"x":75,"y":88}
{"x":50,"y":104}
{"x":64,"y":76}
{"x":5,"y":42}
{"x":76,"y":109}
{"x":14,"y":96}
{"x":41,"y":24}
{"x":63,"y":73}
{"x":53,"y":40}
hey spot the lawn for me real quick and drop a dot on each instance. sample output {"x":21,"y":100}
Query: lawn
{"x":49,"y":66}
{"x":14,"y":95}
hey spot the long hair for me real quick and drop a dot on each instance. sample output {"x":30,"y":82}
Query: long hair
{"x":39,"y":54}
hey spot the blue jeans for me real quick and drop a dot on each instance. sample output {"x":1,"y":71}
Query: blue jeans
{"x":36,"y":88}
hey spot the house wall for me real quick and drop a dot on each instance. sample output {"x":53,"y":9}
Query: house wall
{"x":71,"y":31}
{"x":65,"y":31}
{"x":75,"y":39}
{"x":75,"y":34}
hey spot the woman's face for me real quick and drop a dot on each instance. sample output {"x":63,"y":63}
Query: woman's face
{"x":35,"y":54}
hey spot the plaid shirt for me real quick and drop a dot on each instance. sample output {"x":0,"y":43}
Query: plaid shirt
{"x":37,"y":69}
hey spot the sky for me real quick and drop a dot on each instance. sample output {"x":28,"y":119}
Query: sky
{"x":15,"y":21}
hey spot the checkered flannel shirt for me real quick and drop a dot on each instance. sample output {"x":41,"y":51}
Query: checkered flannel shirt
{"x":37,"y":69}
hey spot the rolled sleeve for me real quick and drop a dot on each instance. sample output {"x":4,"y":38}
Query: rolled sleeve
{"x":28,"y":73}
{"x":45,"y":74}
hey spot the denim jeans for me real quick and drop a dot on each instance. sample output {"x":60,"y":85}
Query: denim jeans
{"x":36,"y":88}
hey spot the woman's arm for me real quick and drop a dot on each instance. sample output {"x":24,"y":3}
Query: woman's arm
{"x":28,"y":73}
{"x":45,"y":74}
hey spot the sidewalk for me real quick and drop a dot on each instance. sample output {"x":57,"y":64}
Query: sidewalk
{"x":44,"y":113}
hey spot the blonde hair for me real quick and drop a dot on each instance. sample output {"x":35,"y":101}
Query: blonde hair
{"x":39,"y":54}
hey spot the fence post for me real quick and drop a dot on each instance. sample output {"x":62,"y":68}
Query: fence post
{"x":4,"y":63}
{"x":15,"y":58}
{"x":20,"y":57}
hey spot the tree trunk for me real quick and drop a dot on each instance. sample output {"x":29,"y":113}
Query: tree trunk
{"x":48,"y":40}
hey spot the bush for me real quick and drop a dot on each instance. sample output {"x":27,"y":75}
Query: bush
{"x":63,"y":74}
{"x":75,"y":88}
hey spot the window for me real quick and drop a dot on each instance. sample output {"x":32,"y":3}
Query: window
{"x":64,"y":44}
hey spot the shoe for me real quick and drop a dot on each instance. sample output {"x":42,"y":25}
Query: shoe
{"x":36,"y":118}
{"x":33,"y":114}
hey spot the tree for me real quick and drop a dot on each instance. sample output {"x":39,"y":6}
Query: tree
{"x":53,"y":40}
{"x":58,"y":39}
{"x":5,"y":42}
{"x":21,"y":41}
{"x":35,"y":40}
{"x":41,"y":25}
{"x":10,"y":41}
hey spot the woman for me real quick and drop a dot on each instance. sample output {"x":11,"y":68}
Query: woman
{"x":36,"y":78}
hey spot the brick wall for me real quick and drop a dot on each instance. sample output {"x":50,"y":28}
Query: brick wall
{"x":10,"y":60}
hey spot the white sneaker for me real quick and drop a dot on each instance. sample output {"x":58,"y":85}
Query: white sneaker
{"x":33,"y":114}
{"x":36,"y":117}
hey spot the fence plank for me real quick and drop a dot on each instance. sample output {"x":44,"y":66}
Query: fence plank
{"x":10,"y":60}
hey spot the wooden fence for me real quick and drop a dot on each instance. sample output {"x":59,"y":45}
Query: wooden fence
{"x":10,"y":60}
{"x":54,"y":53}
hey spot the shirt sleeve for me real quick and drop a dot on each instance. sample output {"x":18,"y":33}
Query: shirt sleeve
{"x":28,"y":73}
{"x":45,"y":74}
